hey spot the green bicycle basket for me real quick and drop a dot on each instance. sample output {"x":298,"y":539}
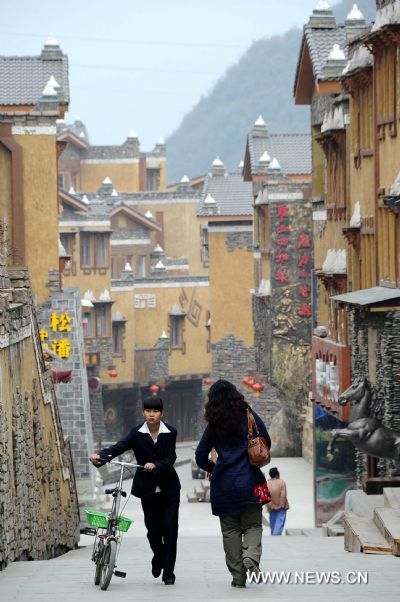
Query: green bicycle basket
{"x":100,"y":520}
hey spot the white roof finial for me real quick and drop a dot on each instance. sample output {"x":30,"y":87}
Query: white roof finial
{"x":114,"y":192}
{"x":71,"y":190}
{"x":161,"y":141}
{"x":85,"y":199}
{"x":322,"y":5}
{"x":107,"y":180}
{"x":51,"y":40}
{"x":355,"y":14}
{"x":265,"y":158}
{"x":209,"y":200}
{"x":185,"y":180}
{"x":259,"y":121}
{"x":132,"y":134}
{"x":49,"y":90}
{"x":217,"y":162}
{"x":336,"y":54}
{"x":53,"y":82}
{"x":149,"y":214}
{"x":274,"y":164}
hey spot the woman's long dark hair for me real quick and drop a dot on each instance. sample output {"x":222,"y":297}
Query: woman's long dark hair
{"x":225,"y":411}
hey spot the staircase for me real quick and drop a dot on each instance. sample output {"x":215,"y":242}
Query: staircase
{"x":379,"y":534}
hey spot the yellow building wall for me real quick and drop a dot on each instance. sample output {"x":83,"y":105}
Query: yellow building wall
{"x":40,"y":209}
{"x":95,"y":280}
{"x":181,"y":232}
{"x":6,"y":189}
{"x":124,"y":302}
{"x":150,"y":323}
{"x":124,"y":176}
{"x":231,"y":278}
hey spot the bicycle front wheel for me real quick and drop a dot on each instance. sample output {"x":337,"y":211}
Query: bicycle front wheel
{"x":108,"y":564}
{"x":97,"y":556}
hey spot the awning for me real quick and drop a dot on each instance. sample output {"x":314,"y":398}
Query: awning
{"x":377,"y":295}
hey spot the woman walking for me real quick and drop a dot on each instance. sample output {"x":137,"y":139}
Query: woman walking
{"x":238,"y":490}
{"x":279,"y":504}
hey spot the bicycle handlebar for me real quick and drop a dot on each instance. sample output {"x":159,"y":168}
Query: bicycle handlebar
{"x":124,"y":464}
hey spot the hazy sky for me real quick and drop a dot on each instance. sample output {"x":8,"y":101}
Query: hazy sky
{"x":143,"y":64}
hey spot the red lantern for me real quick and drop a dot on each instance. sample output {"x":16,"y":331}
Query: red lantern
{"x":245,"y":380}
{"x":154,"y":389}
{"x":207,"y":381}
{"x":250,"y":382}
{"x":112,"y":373}
{"x":261,"y":388}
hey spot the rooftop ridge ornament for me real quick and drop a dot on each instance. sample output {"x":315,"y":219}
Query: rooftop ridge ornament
{"x":259,"y":121}
{"x":85,"y":199}
{"x":51,"y":40}
{"x":149,"y":214}
{"x":217,"y":162}
{"x":161,"y":141}
{"x":114,"y":192}
{"x":355,"y":14}
{"x":274,"y":164}
{"x":265,"y":158}
{"x":132,"y":134}
{"x":209,"y":200}
{"x":49,"y":90}
{"x":53,"y":82}
{"x":336,"y":54}
{"x":322,"y":5}
{"x":185,"y":180}
{"x":107,"y":180}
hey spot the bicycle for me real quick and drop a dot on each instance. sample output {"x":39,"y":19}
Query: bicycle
{"x":107,"y":528}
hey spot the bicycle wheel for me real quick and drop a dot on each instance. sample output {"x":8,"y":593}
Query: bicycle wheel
{"x":108,"y":564}
{"x":97,"y":557}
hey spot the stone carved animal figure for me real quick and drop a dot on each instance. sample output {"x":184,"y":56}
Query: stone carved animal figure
{"x":366,"y":433}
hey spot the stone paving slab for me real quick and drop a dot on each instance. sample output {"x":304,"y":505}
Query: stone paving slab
{"x":202,"y":575}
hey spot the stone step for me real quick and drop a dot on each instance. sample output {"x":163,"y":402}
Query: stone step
{"x":387,"y":521}
{"x":362,"y":535}
{"x":192,"y":498}
{"x":391,"y":497}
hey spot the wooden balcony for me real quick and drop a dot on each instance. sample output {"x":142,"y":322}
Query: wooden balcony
{"x":330,"y":375}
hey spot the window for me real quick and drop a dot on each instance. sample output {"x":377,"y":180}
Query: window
{"x":88,"y":324}
{"x":117,"y":338}
{"x":141,"y":266}
{"x":176,"y":331}
{"x":153,"y":179}
{"x":204,"y":246}
{"x":94,"y":250}
{"x":102,"y":315}
{"x":67,"y":241}
{"x":61,"y":178}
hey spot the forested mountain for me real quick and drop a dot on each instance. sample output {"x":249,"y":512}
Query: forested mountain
{"x":261,"y":82}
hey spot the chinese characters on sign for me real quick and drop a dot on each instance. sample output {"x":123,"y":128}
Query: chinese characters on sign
{"x":59,"y":323}
{"x":292,"y":259}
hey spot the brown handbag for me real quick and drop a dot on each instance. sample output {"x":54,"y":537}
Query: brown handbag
{"x":257,"y":446}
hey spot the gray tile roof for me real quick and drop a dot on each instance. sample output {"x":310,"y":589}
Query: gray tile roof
{"x":320,"y":43}
{"x":293,"y":151}
{"x":23,"y":78}
{"x":123,"y":151}
{"x":232,"y":195}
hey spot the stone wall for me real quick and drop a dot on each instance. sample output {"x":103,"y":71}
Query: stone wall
{"x":39,"y":516}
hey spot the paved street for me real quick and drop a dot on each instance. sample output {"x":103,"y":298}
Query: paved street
{"x":201,"y":572}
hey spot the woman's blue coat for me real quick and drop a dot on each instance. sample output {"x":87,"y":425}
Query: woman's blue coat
{"x":233,"y":478}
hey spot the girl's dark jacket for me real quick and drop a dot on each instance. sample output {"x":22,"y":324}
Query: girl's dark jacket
{"x":162,"y":454}
{"x":234,"y":482}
